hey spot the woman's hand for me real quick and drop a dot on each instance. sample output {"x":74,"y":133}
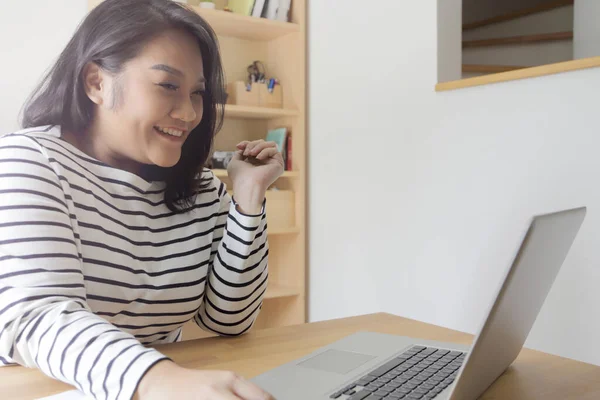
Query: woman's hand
{"x":167,"y":380}
{"x":254,"y":167}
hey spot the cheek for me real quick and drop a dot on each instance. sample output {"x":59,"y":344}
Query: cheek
{"x":149,"y":105}
{"x":199,"y":109}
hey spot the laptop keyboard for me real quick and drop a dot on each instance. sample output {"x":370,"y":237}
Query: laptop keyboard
{"x":418,"y":373}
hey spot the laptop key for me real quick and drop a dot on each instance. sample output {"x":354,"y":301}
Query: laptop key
{"x":386,"y":367}
{"x":363,"y":394}
{"x":367,"y":379}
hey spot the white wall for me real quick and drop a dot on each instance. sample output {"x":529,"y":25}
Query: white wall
{"x":418,"y":199}
{"x":587,"y":29}
{"x":449,"y":48}
{"x":32,"y":35}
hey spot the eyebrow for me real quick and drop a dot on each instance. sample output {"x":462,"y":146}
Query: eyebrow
{"x":172,"y":71}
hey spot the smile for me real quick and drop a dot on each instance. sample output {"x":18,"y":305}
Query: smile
{"x":169,"y":131}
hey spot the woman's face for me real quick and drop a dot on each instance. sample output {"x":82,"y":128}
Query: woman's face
{"x":153,"y":105}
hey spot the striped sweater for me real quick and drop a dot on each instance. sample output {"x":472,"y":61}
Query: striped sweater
{"x":93,"y":265}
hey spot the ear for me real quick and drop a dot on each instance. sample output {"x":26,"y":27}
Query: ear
{"x":94,"y":81}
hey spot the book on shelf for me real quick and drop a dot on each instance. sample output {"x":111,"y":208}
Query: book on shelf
{"x":259,"y":6}
{"x":288,"y":152}
{"x":282,"y":139}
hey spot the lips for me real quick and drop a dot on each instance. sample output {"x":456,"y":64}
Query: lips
{"x":170,"y":131}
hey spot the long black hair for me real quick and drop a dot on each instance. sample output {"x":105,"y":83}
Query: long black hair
{"x":112,"y":34}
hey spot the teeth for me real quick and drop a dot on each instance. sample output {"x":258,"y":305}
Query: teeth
{"x":169,"y":131}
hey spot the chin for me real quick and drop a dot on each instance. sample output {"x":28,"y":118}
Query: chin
{"x":165,"y":161}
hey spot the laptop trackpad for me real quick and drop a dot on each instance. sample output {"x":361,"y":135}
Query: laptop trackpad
{"x":339,"y":362}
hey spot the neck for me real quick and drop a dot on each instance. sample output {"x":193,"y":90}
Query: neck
{"x":90,"y":142}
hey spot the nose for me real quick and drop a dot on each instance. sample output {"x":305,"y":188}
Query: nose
{"x":185,"y":110}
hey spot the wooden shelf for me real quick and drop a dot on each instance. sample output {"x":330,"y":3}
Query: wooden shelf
{"x":529,"y":72}
{"x":275,"y":291}
{"x":246,"y":112}
{"x":222,"y":173}
{"x":250,"y":28}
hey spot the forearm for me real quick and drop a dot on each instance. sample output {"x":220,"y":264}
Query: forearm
{"x":66,"y":341}
{"x":238,"y":278}
{"x":249,"y":198}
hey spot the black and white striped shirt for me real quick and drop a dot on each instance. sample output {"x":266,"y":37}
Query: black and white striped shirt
{"x":93,"y":265}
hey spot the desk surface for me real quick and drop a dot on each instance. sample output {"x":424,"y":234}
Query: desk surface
{"x":534,"y":375}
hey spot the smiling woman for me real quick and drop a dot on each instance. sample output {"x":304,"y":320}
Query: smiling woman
{"x":112,"y":235}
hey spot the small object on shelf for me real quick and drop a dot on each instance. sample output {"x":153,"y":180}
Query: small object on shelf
{"x":256,"y":72}
{"x":221,"y":159}
{"x":207,"y":4}
{"x":243,"y":7}
{"x":254,"y":94}
{"x":270,"y":96}
{"x":238,"y":94}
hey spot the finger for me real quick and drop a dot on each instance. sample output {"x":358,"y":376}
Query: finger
{"x":238,"y":155}
{"x":261,"y":146}
{"x":249,"y":391}
{"x":251,"y":145}
{"x":267,"y":153}
{"x":242,"y":145}
{"x":248,"y":147}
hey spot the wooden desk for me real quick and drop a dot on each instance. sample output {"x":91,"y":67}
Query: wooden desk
{"x":533,"y":376}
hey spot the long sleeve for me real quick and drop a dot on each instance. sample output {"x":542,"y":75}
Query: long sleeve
{"x":45,"y":321}
{"x":238,"y":274}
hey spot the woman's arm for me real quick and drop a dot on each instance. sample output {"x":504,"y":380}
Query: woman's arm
{"x":45,"y":321}
{"x":237,"y":280}
{"x":238,"y":274}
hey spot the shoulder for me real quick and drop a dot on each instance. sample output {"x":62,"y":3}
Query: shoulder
{"x":26,"y":143}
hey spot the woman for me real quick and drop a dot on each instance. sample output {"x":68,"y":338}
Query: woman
{"x":112,"y":235}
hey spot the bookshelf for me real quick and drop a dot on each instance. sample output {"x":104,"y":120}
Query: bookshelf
{"x":281,"y":47}
{"x":245,"y":112}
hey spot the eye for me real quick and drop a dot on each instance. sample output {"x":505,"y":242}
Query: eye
{"x":200,"y":92}
{"x":169,"y":86}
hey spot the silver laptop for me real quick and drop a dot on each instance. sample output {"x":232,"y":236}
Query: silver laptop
{"x":371,"y":366}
